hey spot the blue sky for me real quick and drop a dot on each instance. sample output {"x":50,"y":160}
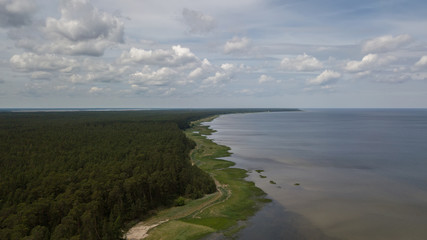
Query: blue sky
{"x":252,"y":53}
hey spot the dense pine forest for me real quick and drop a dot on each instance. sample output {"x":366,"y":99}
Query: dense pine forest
{"x":84,"y":175}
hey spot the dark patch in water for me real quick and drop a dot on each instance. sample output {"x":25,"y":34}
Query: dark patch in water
{"x":275,"y":222}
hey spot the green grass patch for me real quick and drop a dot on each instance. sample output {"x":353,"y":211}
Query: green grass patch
{"x":212,"y":222}
{"x":179,"y":230}
{"x":223,"y":211}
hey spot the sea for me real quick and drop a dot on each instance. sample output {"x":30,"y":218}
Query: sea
{"x":333,"y":173}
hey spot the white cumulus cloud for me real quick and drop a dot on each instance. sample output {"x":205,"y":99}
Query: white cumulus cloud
{"x":228,"y":67}
{"x":147,"y":77}
{"x":422,"y":62}
{"x":98,"y":71}
{"x":301,"y":63}
{"x":196,"y":73}
{"x":368,"y":62}
{"x":81,"y":29}
{"x":265,"y":78}
{"x":96,"y":90}
{"x":176,"y":56}
{"x":28,"y":61}
{"x":201,"y":71}
{"x":223,"y":74}
{"x":216,"y":79}
{"x":237,"y":45}
{"x":80,"y":21}
{"x":385,"y":43}
{"x":325,"y":78}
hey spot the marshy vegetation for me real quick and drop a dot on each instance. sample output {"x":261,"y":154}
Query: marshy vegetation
{"x":221,"y":212}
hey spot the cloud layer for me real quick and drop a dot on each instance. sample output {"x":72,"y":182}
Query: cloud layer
{"x":386,"y":43}
{"x":206,"y":52}
{"x":175,"y":56}
{"x":81,"y":29}
{"x":301,"y":63}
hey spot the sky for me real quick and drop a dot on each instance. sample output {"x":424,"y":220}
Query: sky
{"x":204,"y":54}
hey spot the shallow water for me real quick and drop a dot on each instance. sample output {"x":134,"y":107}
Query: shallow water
{"x":345,"y":174}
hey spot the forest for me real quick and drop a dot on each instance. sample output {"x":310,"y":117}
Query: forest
{"x":84,"y":175}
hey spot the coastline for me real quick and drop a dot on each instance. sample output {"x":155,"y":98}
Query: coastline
{"x":273,"y":220}
{"x":330,"y":175}
{"x":222,"y":213}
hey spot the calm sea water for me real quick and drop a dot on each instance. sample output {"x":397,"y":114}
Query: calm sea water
{"x":339,"y":174}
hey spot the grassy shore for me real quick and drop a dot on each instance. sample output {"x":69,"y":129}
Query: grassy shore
{"x":222,"y":212}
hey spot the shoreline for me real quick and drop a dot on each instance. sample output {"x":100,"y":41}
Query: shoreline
{"x":273,"y":219}
{"x":223,"y":212}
